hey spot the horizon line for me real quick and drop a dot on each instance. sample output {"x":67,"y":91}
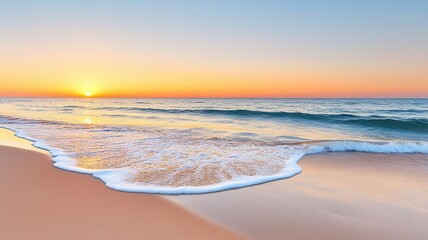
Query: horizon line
{"x":94,"y":97}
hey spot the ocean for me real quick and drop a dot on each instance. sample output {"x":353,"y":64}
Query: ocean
{"x":190,"y":146}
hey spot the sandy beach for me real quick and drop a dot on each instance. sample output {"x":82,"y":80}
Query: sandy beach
{"x":337,"y":196}
{"x":39,"y":201}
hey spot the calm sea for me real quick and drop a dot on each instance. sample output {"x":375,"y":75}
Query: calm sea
{"x":175,"y":146}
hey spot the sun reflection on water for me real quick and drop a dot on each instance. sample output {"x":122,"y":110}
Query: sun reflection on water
{"x":88,"y":120}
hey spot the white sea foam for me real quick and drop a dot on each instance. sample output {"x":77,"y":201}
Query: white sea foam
{"x":222,"y":164}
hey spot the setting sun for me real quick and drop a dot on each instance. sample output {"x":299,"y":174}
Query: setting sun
{"x":88,"y":94}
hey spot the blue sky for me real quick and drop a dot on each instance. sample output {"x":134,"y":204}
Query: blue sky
{"x":367,"y":37}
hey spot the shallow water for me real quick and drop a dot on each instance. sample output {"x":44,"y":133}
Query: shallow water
{"x":176,"y":146}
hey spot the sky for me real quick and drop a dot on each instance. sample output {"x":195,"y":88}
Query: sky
{"x":218,"y":48}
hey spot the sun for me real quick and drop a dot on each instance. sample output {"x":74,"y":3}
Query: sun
{"x":87,"y":88}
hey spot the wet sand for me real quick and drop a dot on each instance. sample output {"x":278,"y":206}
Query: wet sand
{"x":337,"y":196}
{"x":39,"y":201}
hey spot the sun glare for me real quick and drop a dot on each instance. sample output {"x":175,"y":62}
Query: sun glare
{"x":88,"y":94}
{"x":87,"y":120}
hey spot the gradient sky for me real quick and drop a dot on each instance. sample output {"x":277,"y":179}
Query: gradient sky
{"x":218,"y":48}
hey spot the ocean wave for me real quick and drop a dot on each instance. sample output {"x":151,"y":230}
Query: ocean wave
{"x":23,"y":121}
{"x":72,"y":107}
{"x":413,"y":110}
{"x":168,"y":165}
{"x":399,"y":123}
{"x":118,"y":179}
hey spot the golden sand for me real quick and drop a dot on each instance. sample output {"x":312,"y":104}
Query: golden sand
{"x":39,"y":201}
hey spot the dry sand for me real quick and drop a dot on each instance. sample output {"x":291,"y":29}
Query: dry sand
{"x":337,"y":196}
{"x":39,"y":201}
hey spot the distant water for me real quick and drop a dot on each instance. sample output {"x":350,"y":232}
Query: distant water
{"x":175,"y":146}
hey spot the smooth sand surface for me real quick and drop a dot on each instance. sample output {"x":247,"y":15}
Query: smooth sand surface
{"x":337,"y":196}
{"x":39,"y":201}
{"x":8,"y":138}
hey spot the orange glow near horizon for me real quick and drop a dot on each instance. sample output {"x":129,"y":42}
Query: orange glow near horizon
{"x":238,"y":89}
{"x":115,"y":75}
{"x":258,"y":84}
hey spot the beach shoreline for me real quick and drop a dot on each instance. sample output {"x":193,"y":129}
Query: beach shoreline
{"x":42,"y":202}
